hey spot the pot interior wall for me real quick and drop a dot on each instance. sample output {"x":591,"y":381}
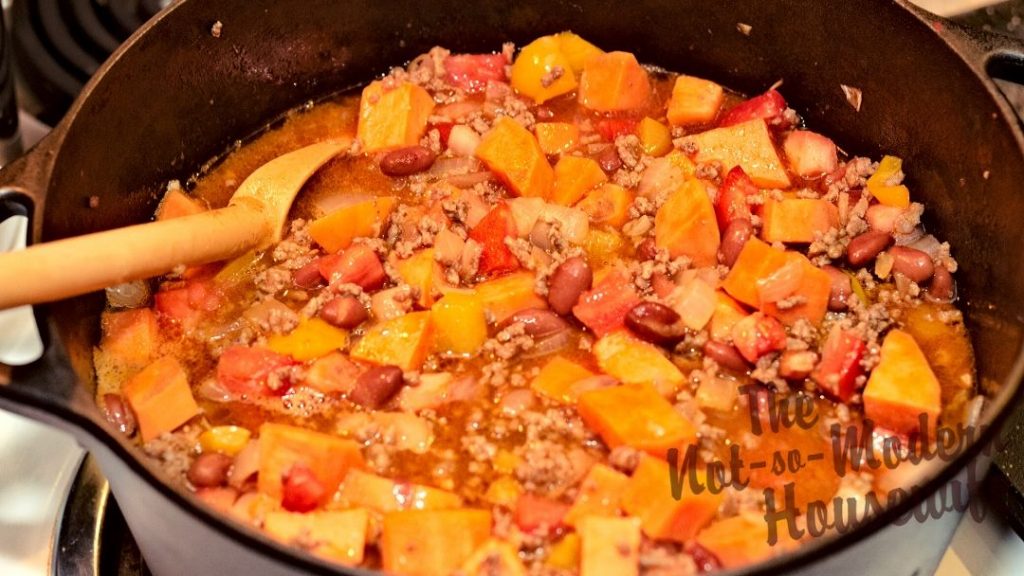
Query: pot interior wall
{"x":181,"y":96}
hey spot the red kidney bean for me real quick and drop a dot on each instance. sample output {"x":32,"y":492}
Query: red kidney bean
{"x":544,"y":113}
{"x":537,"y":322}
{"x":344,"y":312}
{"x":735,"y":236}
{"x":572,"y":278}
{"x":912,"y":263}
{"x":647,"y":250}
{"x":705,"y":560}
{"x":406,"y":161}
{"x":609,"y":160}
{"x":119,"y":413}
{"x":376,"y":386}
{"x":726,"y":355}
{"x":842,"y":289}
{"x":942,"y":288}
{"x":864,"y":248}
{"x":656,"y":323}
{"x":797,"y":365}
{"x":209,"y":470}
{"x":308,"y":277}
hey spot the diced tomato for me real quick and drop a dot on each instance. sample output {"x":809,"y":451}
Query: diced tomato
{"x":535,"y":513}
{"x":612,"y":128}
{"x":731,"y":202}
{"x":445,"y":130}
{"x":358,"y":264}
{"x":810,"y":154}
{"x":471,"y":72}
{"x":245,"y":370}
{"x":495,"y":259}
{"x":769,"y":106}
{"x":603,"y":309}
{"x":839,"y":367}
{"x":185,"y":306}
{"x":301,"y":490}
{"x":757,"y":335}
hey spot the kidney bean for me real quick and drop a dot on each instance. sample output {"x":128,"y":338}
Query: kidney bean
{"x":344,"y":312}
{"x":572,"y":278}
{"x":119,"y":413}
{"x":797,"y":365}
{"x":406,"y":161}
{"x":656,"y":323}
{"x":544,"y":113}
{"x":912,"y":263}
{"x":705,"y":560}
{"x":647,"y":250}
{"x":726,"y":355}
{"x":376,"y":386}
{"x":864,"y":248}
{"x":609,"y":160}
{"x":308,"y":277}
{"x":537,"y":322}
{"x":942,"y":288}
{"x":842,"y":289}
{"x":735,"y":236}
{"x":209,"y":470}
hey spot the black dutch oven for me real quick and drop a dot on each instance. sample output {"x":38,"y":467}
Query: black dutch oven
{"x":175,"y":95}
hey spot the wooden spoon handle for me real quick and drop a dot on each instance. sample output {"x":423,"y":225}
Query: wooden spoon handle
{"x":56,"y":270}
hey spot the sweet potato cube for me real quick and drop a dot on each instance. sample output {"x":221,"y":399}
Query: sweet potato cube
{"x":757,"y":260}
{"x":600,"y":494}
{"x":614,"y":82}
{"x":432,"y":542}
{"x":282,"y":447}
{"x":556,"y":137}
{"x":176,"y":203}
{"x":310,"y":340}
{"x":813,"y":293}
{"x":392,"y":118}
{"x":607,"y":204}
{"x":459,"y":323}
{"x":636,"y":416}
{"x":574,"y":177}
{"x":366,"y":219}
{"x":686,"y":225}
{"x":576,"y":50}
{"x":902,"y":387}
{"x":511,"y":152}
{"x":695,"y":301}
{"x":130,"y":339}
{"x":505,"y":296}
{"x":434,"y":390}
{"x":666,"y":173}
{"x":655,"y":137}
{"x":648,"y":496}
{"x":498,"y":557}
{"x":727,"y":313}
{"x":633,"y":361}
{"x":556,"y":378}
{"x":421,"y":272}
{"x":609,"y":546}
{"x":748,"y":145}
{"x":603,"y":309}
{"x":160,"y":397}
{"x":797,"y":219}
{"x":337,"y":535}
{"x":368,"y":490}
{"x":404,"y":341}
{"x":742,"y":540}
{"x":694,"y":101}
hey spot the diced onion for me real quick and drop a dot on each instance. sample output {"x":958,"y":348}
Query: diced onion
{"x":928,"y":244}
{"x":781,"y":283}
{"x":247,"y":463}
{"x":128,"y":295}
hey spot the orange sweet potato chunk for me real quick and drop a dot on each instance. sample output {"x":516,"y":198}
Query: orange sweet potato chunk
{"x":328,"y":457}
{"x":338,"y":535}
{"x":432,"y":542}
{"x":404,"y":341}
{"x":556,"y":378}
{"x":505,"y":296}
{"x":607,"y":204}
{"x":727,"y":313}
{"x":648,"y":496}
{"x":743,"y":540}
{"x":556,"y":137}
{"x":694,"y":101}
{"x":686,"y":225}
{"x":636,"y":416}
{"x":130,"y":339}
{"x":814,"y":291}
{"x":574,"y":177}
{"x":614,"y":82}
{"x":391,"y":118}
{"x":160,"y":397}
{"x":758,"y":261}
{"x":633,"y":361}
{"x":386,"y":495}
{"x":600,"y":494}
{"x":336,"y":230}
{"x":748,"y":145}
{"x":176,"y":204}
{"x":609,"y":546}
{"x":797,"y":219}
{"x":902,"y":387}
{"x":511,"y":152}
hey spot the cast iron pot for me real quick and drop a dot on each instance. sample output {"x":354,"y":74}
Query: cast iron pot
{"x":175,"y":96}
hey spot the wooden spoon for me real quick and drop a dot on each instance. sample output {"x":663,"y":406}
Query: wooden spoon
{"x":254,"y":218}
